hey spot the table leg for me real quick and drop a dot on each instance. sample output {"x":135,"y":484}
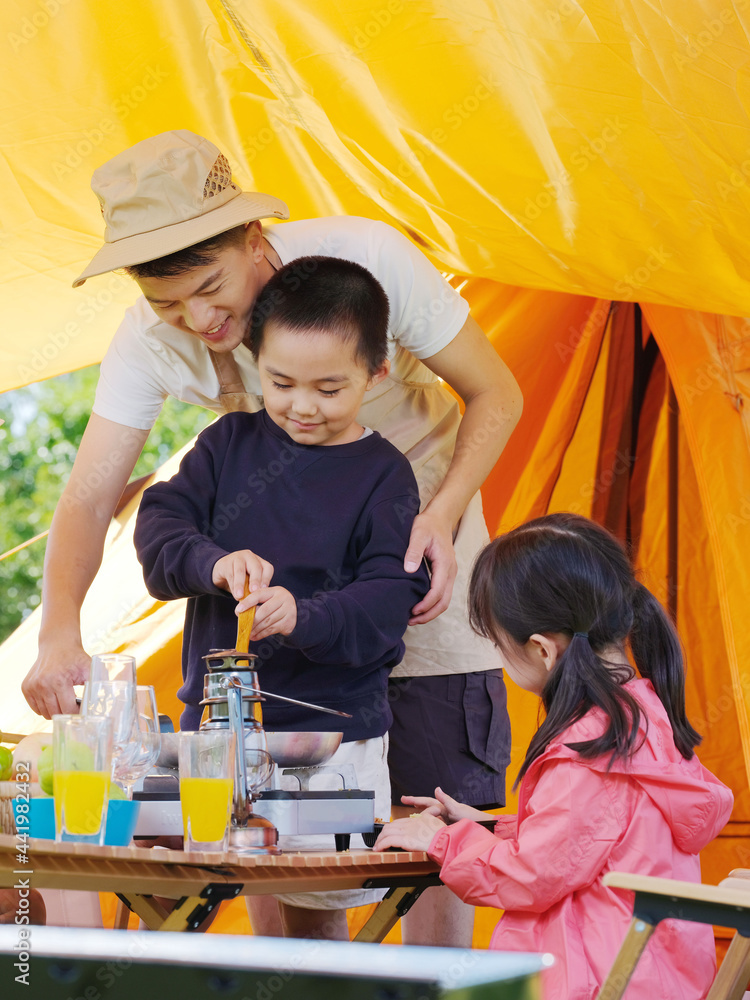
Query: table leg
{"x":122,"y":914}
{"x":182,"y":916}
{"x":153,"y":914}
{"x":395,"y":903}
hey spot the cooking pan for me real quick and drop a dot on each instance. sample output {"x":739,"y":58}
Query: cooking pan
{"x":302,"y":749}
{"x":287,"y":749}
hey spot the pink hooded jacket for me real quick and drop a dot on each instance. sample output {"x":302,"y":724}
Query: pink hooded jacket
{"x":576,"y":821}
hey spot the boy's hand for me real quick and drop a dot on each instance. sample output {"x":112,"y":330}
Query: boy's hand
{"x":443,"y":806}
{"x":231,"y":571}
{"x":276,"y":612}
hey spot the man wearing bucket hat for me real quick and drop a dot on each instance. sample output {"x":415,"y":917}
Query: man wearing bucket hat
{"x":181,"y":227}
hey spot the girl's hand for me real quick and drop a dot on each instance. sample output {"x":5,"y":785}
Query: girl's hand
{"x":448,"y":809}
{"x":412,"y":834}
{"x":231,"y":571}
{"x":276,"y":614}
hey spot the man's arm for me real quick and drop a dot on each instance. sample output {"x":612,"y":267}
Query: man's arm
{"x":105,"y":460}
{"x":493,"y":405}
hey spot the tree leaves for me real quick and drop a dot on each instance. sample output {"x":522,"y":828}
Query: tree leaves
{"x":42,"y":427}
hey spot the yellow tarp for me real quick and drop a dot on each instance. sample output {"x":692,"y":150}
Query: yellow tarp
{"x":556,"y":156}
{"x":599,"y":148}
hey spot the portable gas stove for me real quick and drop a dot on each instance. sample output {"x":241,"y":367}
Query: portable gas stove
{"x":294,"y":811}
{"x":305,"y":810}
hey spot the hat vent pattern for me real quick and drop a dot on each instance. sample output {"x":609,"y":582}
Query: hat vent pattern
{"x":219,"y":179}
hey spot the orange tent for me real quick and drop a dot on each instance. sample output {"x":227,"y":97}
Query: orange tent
{"x":564,"y":159}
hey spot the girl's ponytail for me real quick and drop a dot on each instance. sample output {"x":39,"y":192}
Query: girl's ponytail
{"x":562,"y":574}
{"x":658,"y":656}
{"x":577,"y":684}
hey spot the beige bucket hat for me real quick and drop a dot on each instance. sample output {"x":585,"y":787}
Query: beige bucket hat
{"x":167,"y":193}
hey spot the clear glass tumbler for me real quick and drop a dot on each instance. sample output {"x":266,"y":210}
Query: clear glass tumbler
{"x":82,"y":756}
{"x":206,"y":768}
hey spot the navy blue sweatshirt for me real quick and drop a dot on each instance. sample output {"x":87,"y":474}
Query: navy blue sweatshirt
{"x":334,"y":521}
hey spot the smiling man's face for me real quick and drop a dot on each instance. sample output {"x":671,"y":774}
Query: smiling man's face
{"x":213,"y":302}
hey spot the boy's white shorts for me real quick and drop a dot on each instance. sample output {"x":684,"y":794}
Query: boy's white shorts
{"x":370,"y":760}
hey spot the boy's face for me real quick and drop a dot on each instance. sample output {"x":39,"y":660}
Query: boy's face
{"x":214,"y":302}
{"x":313,"y":385}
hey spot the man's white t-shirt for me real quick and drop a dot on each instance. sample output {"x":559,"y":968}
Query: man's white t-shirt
{"x":148,"y":360}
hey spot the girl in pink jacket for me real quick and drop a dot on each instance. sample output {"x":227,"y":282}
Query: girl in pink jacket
{"x":610,"y":781}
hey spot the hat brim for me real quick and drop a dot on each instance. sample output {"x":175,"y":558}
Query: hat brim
{"x":246,"y":207}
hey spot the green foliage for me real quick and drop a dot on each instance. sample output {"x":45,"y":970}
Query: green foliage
{"x":43,"y":425}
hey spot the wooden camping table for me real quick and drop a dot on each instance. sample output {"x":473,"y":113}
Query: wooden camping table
{"x":200,"y":881}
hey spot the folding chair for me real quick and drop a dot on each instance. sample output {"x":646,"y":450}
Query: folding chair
{"x":659,"y":899}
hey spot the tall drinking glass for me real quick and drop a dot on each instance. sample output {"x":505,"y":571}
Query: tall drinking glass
{"x":145,"y":740}
{"x":82,"y":756}
{"x":206,"y":767}
{"x":112,"y":667}
{"x":114,"y":700}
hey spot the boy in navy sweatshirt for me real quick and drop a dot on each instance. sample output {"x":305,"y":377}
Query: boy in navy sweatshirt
{"x":315,"y":510}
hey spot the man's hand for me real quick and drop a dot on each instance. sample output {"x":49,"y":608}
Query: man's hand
{"x":276,"y":614}
{"x":412,"y":834}
{"x":48,"y":686}
{"x":231,"y":571}
{"x":432,"y":537}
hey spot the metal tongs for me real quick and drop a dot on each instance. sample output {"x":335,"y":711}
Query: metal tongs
{"x":233,"y":682}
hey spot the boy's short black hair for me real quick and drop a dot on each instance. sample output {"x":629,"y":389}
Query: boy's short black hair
{"x":328,"y":295}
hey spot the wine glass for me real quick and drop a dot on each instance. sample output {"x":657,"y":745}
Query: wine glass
{"x":114,"y":700}
{"x":259,"y":765}
{"x":112,"y":667}
{"x":146,"y":741}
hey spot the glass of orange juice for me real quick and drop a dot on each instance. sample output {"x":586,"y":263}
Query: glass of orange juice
{"x":206,"y":761}
{"x":82,"y":758}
